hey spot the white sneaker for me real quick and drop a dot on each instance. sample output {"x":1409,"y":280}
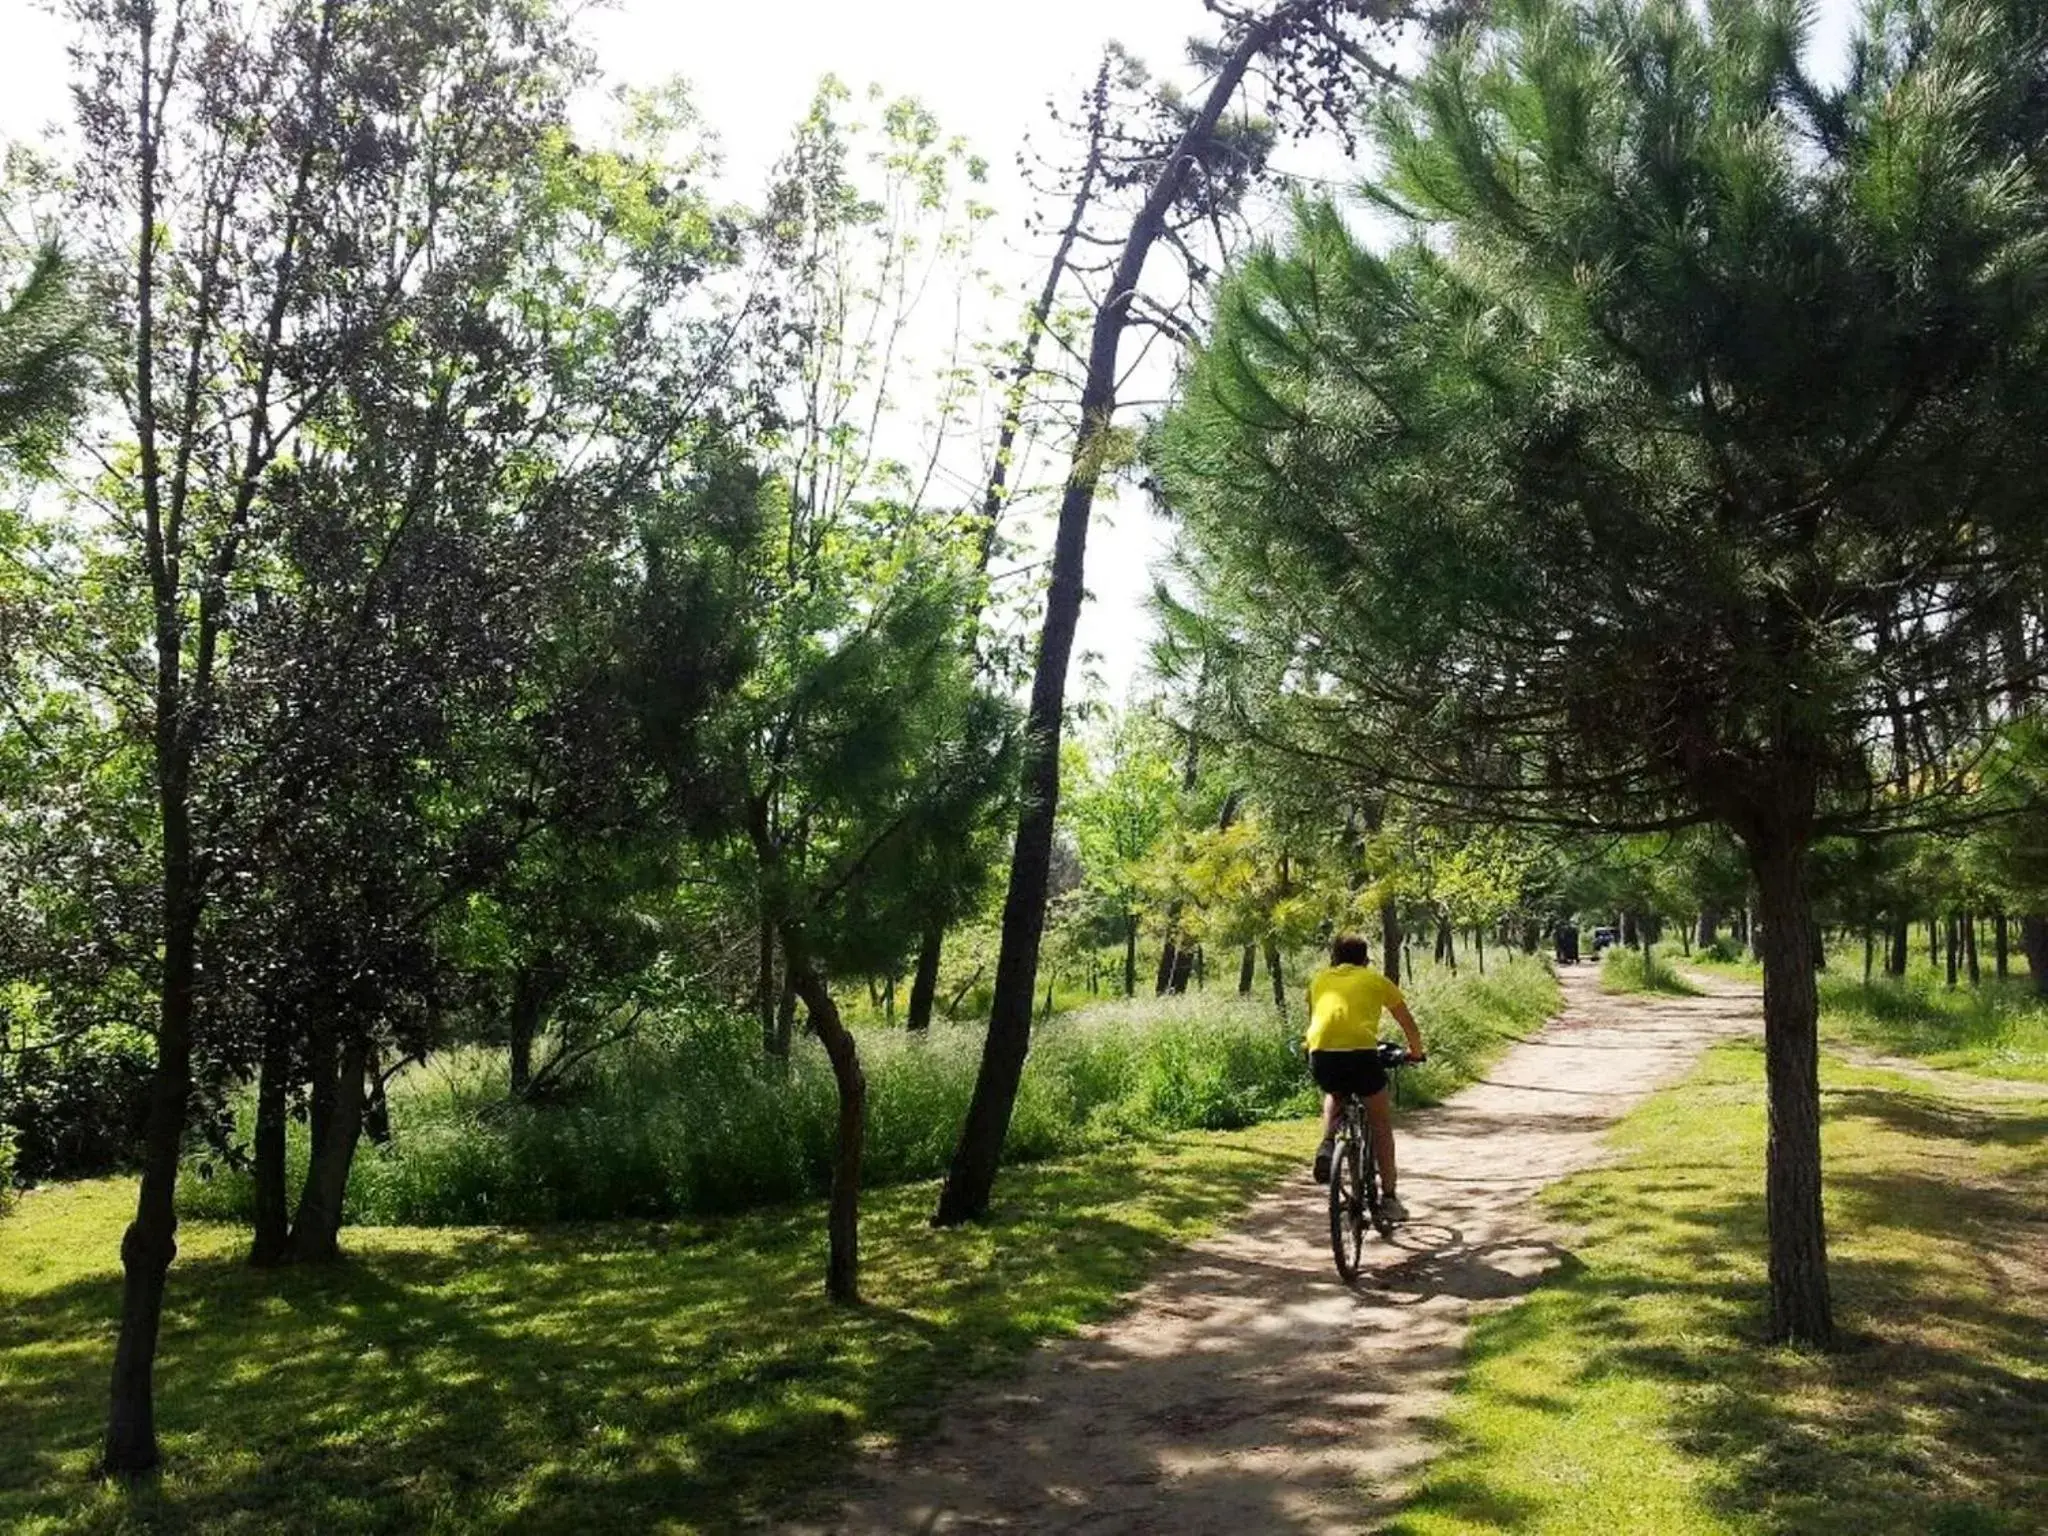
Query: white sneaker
{"x":1392,"y":1208}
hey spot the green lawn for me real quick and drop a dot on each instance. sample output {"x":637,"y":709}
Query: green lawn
{"x":1631,"y":1394}
{"x":675,"y":1376}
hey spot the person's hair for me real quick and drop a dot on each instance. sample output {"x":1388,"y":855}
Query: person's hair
{"x":1349,"y":949}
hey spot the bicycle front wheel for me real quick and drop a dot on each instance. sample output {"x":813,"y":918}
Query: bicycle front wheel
{"x":1348,"y":1208}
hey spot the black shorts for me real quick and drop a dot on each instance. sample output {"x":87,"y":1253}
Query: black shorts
{"x":1342,"y":1072}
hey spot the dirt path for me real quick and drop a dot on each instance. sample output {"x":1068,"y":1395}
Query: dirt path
{"x":1246,"y":1389}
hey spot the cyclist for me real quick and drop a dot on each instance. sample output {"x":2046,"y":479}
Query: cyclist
{"x":1345,"y":1000}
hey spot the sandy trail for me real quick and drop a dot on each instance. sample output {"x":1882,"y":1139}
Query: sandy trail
{"x":1246,"y":1389}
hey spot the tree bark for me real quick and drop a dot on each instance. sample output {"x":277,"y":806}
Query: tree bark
{"x":1479,"y":947}
{"x":1273,"y":970}
{"x":1970,"y":949}
{"x":970,"y":1180}
{"x":2034,"y":940}
{"x":151,"y":1241}
{"x":924,"y":986}
{"x":272,"y":1240}
{"x":1709,"y":930}
{"x":842,"y":1223}
{"x":1800,"y":1308}
{"x":1869,"y":950}
{"x":529,"y":1000}
{"x":1130,"y":954}
{"x":1247,"y":967}
{"x":1901,"y":952}
{"x":785,"y":1021}
{"x":1954,"y":944}
{"x":2001,"y":947}
{"x":1169,"y":956}
{"x":316,"y":1227}
{"x":1390,"y":940}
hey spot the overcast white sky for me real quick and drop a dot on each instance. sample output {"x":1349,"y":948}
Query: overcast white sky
{"x":985,"y":70}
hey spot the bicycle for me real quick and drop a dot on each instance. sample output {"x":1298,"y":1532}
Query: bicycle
{"x":1355,"y":1176}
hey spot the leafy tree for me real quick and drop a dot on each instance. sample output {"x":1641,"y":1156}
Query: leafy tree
{"x":1676,"y":458}
{"x":1121,"y":810}
{"x":405,"y":371}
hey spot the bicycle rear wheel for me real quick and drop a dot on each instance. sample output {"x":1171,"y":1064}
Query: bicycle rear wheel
{"x":1347,"y":1206}
{"x":1375,"y":1210}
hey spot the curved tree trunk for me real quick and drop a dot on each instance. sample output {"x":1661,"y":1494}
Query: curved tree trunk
{"x":970,"y":1180}
{"x":842,"y":1265}
{"x":1800,"y":1307}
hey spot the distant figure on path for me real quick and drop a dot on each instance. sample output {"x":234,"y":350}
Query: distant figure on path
{"x":1345,"y":1000}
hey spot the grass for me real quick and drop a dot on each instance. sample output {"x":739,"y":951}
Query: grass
{"x":1633,"y":1394}
{"x":681,"y":1375}
{"x":1997,"y":1029}
{"x":1642,"y":970}
{"x":633,"y":1376}
{"x":689,"y":1120}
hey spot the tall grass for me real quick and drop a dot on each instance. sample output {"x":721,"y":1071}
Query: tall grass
{"x":1999,"y":1027}
{"x":689,"y":1118}
{"x":1642,"y":970}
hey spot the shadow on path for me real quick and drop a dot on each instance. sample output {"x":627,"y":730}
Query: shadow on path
{"x":1247,"y":1389}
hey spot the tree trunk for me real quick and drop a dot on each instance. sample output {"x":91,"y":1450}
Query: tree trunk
{"x":1708,"y":933}
{"x":1390,"y":940}
{"x":2034,"y":940}
{"x":1130,"y":954}
{"x":1869,"y":950}
{"x":273,"y":1202}
{"x":971,"y":1178}
{"x":924,"y":986}
{"x":2001,"y":947}
{"x":529,"y":1000}
{"x":1631,"y":935}
{"x":1169,"y":956}
{"x":889,"y":1001}
{"x":1934,"y":941}
{"x":1970,"y":949}
{"x":1901,"y":951}
{"x":1273,"y":970}
{"x":1247,"y":967}
{"x":764,"y":983}
{"x":1800,"y":1308}
{"x":785,"y":1020}
{"x":1183,"y":970}
{"x":842,"y":1265}
{"x":1954,"y":943}
{"x":1479,"y":948}
{"x":316,"y":1227}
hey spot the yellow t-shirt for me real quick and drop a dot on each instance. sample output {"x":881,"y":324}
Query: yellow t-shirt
{"x":1344,"y":1006}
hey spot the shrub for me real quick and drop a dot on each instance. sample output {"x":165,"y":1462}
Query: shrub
{"x":689,"y":1118}
{"x":76,"y":1111}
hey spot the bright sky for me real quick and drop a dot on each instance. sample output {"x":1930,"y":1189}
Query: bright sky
{"x":986,"y":72}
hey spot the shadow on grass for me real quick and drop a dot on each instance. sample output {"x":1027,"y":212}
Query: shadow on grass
{"x":1930,"y":1416}
{"x":598,"y":1378}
